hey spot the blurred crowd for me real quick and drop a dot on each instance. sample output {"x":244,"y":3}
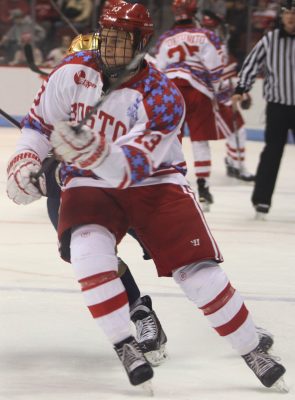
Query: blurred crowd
{"x":38,"y":23}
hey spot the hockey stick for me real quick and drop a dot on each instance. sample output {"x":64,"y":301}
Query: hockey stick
{"x":28,"y":48}
{"x":31,"y":61}
{"x":9,"y":118}
{"x":63,"y":17}
{"x":236,"y":134}
{"x":130,"y":67}
{"x":125,"y":73}
{"x":235,"y":127}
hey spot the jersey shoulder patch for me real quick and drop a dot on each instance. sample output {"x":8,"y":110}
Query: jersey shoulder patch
{"x":85,"y":58}
{"x":162,"y":100}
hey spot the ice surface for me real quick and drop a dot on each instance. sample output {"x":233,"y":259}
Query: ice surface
{"x":51,"y":349}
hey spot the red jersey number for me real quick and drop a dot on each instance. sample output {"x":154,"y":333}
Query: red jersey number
{"x":150,"y":143}
{"x":183,"y":50}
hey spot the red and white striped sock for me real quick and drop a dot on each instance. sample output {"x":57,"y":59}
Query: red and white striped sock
{"x":202,"y":159}
{"x":95,"y":264}
{"x":210,"y":289}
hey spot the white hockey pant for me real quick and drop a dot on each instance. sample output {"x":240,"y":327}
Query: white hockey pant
{"x":207,"y":286}
{"x":95,"y":263}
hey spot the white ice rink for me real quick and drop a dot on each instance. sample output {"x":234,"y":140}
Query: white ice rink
{"x":51,"y":349}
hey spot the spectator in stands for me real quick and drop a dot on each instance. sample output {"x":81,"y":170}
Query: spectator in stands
{"x":78,"y":11}
{"x":6,"y":6}
{"x":22,"y":24}
{"x":237,"y":16}
{"x":218,"y":7}
{"x":47,"y":16}
{"x":57,"y":54}
{"x":263,"y":19}
{"x":19,"y":56}
{"x":45,"y":12}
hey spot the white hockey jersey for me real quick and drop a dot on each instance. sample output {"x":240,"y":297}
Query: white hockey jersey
{"x":193,"y":54}
{"x":141,"y":119}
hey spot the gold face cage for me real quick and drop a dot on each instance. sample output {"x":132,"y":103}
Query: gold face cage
{"x":81,"y":42}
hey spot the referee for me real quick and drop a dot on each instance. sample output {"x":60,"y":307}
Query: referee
{"x":274,"y":54}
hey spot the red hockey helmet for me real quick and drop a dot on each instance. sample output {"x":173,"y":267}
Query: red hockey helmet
{"x":109,"y":4}
{"x":215,"y":23}
{"x":131,"y":20}
{"x":184,"y":9}
{"x":210,"y":20}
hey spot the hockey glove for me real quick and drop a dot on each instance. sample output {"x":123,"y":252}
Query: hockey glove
{"x":246,"y":101}
{"x":85,"y":149}
{"x":21,"y":167}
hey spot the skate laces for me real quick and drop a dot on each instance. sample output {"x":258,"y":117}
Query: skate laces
{"x":146,"y":329}
{"x":129,"y":355}
{"x":260,"y":362}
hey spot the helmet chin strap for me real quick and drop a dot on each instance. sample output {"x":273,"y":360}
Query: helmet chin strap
{"x":117,"y":71}
{"x":112,"y":72}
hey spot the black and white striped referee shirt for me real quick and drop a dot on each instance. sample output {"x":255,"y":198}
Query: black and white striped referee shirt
{"x":274,"y":55}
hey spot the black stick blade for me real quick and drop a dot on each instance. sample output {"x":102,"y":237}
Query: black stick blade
{"x":9,"y":118}
{"x":31,"y":61}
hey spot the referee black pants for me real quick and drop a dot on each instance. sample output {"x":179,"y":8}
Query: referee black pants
{"x":279,"y":119}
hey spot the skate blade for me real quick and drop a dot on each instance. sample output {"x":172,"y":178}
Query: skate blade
{"x":246,"y":180}
{"x":205,"y":207}
{"x":281,"y":386}
{"x":260,"y":216}
{"x":157,"y":357}
{"x":148,"y":388}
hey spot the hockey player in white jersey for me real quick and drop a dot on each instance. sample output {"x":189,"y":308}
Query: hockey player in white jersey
{"x":230,"y":121}
{"x":149,"y":331}
{"x":193,"y":58}
{"x":125,"y":168}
